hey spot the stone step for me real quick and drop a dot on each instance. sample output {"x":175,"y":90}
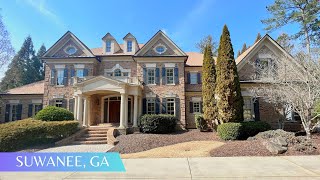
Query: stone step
{"x":97,"y":132}
{"x":92,"y":139}
{"x":95,"y":135}
{"x":98,"y":129}
{"x":90,"y":142}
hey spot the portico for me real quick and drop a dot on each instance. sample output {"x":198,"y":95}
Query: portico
{"x":106,"y":100}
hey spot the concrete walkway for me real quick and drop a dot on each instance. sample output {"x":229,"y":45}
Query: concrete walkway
{"x":281,"y":167}
{"x":80,"y":148}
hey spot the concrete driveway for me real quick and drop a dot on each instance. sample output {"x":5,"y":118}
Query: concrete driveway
{"x":280,"y":167}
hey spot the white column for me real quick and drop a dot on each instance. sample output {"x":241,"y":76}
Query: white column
{"x":126,"y":111}
{"x":85,"y":113}
{"x":140,"y":106}
{"x":75,"y":107}
{"x":89,"y":111}
{"x":80,"y":109}
{"x":122,"y":112}
{"x":135,"y":111}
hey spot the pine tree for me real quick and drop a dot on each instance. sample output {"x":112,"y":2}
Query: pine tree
{"x":244,"y":48}
{"x":18,"y":73}
{"x":208,"y":85}
{"x":37,"y":65}
{"x":228,"y":91}
{"x":258,"y":37}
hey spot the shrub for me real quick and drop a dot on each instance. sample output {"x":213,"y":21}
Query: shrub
{"x":24,"y":133}
{"x":52,"y":113}
{"x":158,"y":123}
{"x":201,"y":123}
{"x":243,"y":130}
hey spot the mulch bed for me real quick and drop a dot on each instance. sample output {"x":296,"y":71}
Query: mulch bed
{"x":256,"y":148}
{"x":141,"y":142}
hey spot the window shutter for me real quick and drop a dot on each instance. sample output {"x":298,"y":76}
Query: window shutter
{"x":188,"y":77}
{"x":163,"y":76}
{"x":145,"y":76}
{"x":256,"y":110}
{"x":53,"y":77}
{"x":199,"y":78}
{"x":72,"y":73}
{"x":164,"y":106}
{"x":65,"y":77}
{"x":201,"y":107}
{"x":144,"y":106}
{"x":30,"y":108}
{"x":19,"y":111}
{"x":64,"y":103}
{"x":51,"y":102}
{"x":7,"y":115}
{"x":176,"y":75}
{"x":157,"y":105}
{"x":157,"y":76}
{"x":177,"y":107}
{"x":85,"y":72}
{"x":191,"y":107}
{"x":71,"y":105}
{"x":41,"y":106}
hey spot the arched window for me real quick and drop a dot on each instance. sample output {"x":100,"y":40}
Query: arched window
{"x":117,"y":72}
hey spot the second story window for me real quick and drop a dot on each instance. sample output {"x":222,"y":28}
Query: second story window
{"x":170,"y":75}
{"x":129,"y":46}
{"x":193,"y":78}
{"x":60,"y":76}
{"x":117,"y":72}
{"x":151,"y":76}
{"x":108,"y":46}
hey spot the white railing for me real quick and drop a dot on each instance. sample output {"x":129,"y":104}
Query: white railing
{"x":129,"y":80}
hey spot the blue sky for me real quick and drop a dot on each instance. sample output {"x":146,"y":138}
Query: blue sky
{"x":185,"y":21}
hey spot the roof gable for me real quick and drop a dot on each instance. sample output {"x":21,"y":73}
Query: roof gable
{"x":68,"y":40}
{"x":160,"y":38}
{"x":267,"y":42}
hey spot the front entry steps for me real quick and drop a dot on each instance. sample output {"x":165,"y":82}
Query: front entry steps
{"x":94,"y":135}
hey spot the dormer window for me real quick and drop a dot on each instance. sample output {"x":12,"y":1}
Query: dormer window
{"x":117,"y":72}
{"x":160,"y":49}
{"x":70,"y":50}
{"x":108,"y":46}
{"x":129,"y":46}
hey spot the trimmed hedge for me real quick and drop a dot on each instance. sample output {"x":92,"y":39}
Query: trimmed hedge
{"x":201,"y":124}
{"x":53,"y":113}
{"x":158,"y":123}
{"x":25,"y":133}
{"x":243,"y":130}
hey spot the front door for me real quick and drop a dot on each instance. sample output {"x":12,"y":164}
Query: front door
{"x":114,"y":111}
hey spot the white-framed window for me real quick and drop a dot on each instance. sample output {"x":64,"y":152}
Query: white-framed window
{"x":117,"y":72}
{"x":108,"y":46}
{"x":170,"y":75}
{"x":70,"y":50}
{"x":126,"y":74}
{"x":151,"y":76}
{"x":129,"y":46}
{"x":193,"y":78}
{"x":79,"y":73}
{"x":160,"y":49}
{"x":151,"y":106}
{"x":170,"y":106}
{"x":37,"y":108}
{"x":14,"y":112}
{"x":196,"y":107}
{"x":60,"y":76}
{"x":58,"y":103}
{"x":247,"y":108}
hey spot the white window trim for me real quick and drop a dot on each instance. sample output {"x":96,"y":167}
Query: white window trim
{"x":117,"y":66}
{"x":56,"y":81}
{"x":174,"y":105}
{"x":252,"y":108}
{"x":34,"y":108}
{"x":65,"y":49}
{"x":36,"y":101}
{"x":110,"y":46}
{"x":151,"y":65}
{"x":55,"y":102}
{"x":11,"y":108}
{"x":14,"y":101}
{"x":193,"y":103}
{"x":154,"y":69}
{"x":155,"y":48}
{"x":173,"y":76}
{"x":78,"y":66}
{"x":154,"y":105}
{"x":128,"y":46}
{"x":169,"y":65}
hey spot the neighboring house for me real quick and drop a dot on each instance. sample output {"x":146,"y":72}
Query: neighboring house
{"x":117,"y":83}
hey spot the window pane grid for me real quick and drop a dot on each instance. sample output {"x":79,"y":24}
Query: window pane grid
{"x":151,"y":76}
{"x":247,"y":108}
{"x":60,"y":77}
{"x":151,"y":106}
{"x":196,"y":107}
{"x":170,"y":106}
{"x":129,"y":46}
{"x":169,"y":74}
{"x":193,"y":78}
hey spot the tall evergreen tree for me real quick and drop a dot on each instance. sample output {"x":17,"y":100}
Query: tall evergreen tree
{"x":285,"y":41}
{"x":17,"y":73}
{"x":208,"y":85}
{"x":228,"y":91}
{"x":37,"y":68}
{"x":258,"y":37}
{"x":244,"y":48}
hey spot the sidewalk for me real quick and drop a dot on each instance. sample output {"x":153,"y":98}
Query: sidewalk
{"x":281,"y":167}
